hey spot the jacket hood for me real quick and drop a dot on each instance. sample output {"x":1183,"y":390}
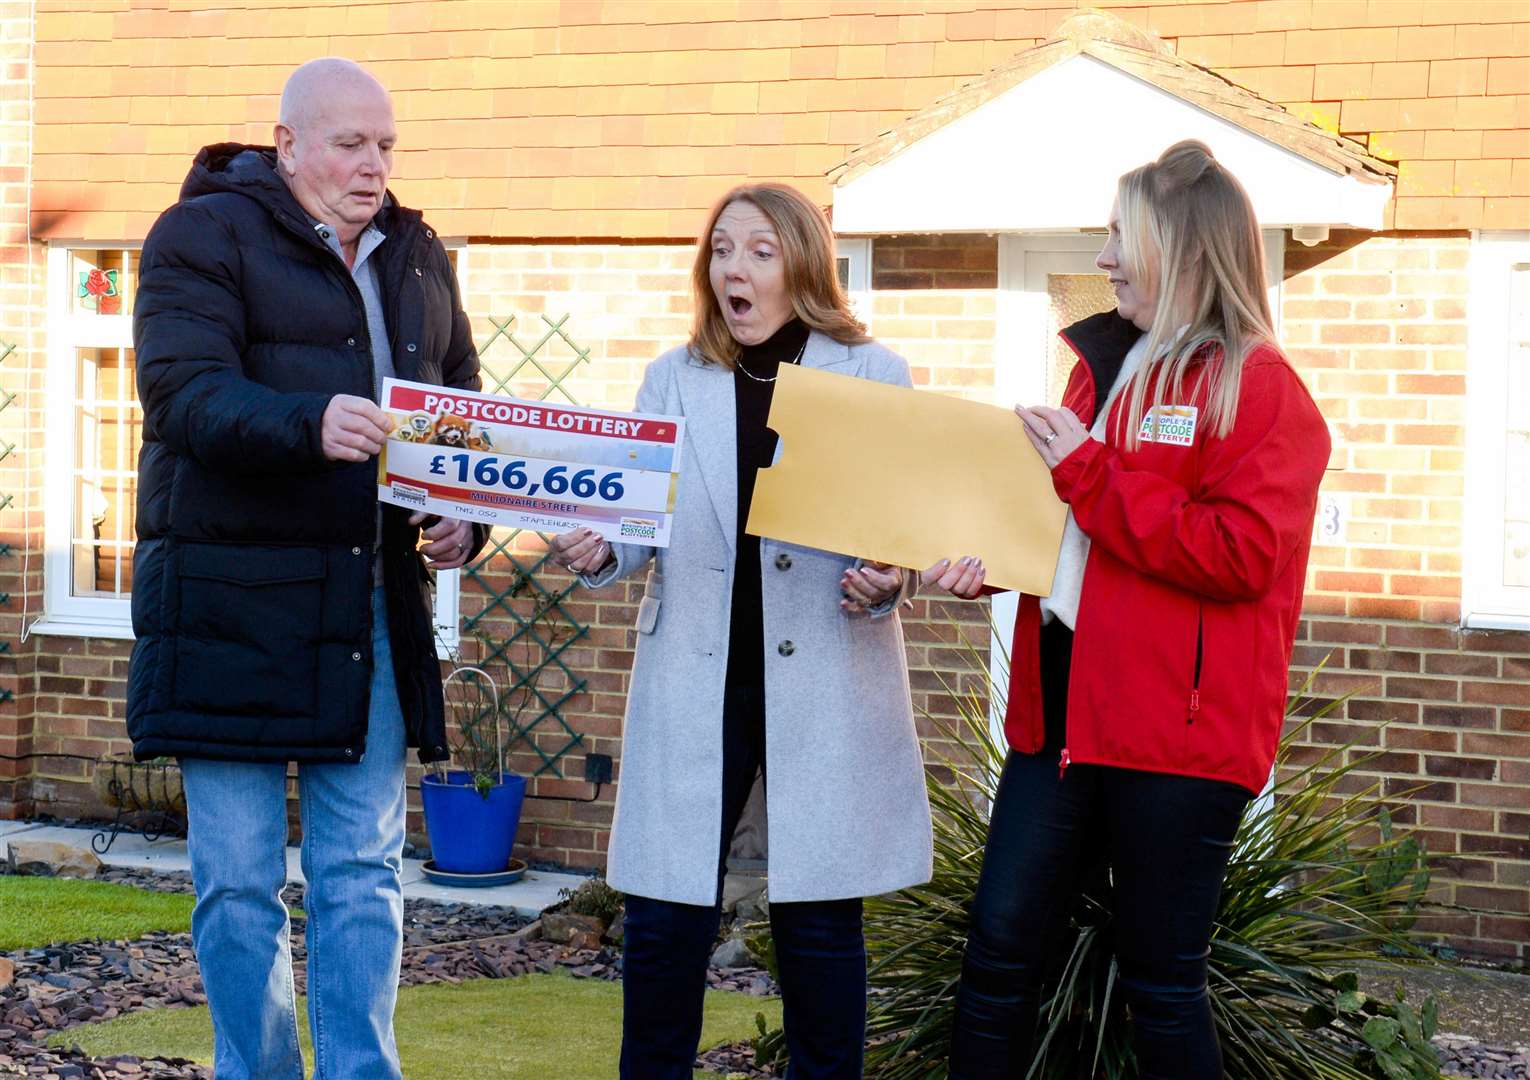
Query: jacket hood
{"x":251,"y":171}
{"x":248,"y":170}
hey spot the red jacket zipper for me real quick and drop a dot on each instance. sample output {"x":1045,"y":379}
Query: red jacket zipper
{"x":1063,"y":764}
{"x":1200,"y":655}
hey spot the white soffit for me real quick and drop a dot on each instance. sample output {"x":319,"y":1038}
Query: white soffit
{"x":1046,"y":154}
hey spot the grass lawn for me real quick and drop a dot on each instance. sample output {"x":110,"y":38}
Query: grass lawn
{"x":538,"y":1027}
{"x":42,"y":911}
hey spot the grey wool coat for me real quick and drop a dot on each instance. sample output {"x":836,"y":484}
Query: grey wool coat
{"x":845,"y":799}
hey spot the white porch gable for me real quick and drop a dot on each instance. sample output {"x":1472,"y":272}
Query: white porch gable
{"x":1044,"y":152}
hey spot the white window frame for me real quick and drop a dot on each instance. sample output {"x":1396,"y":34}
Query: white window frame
{"x":1486,"y":602}
{"x":67,"y":331}
{"x":68,"y":615}
{"x":857,"y":249}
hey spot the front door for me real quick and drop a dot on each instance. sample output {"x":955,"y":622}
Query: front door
{"x":1046,"y":282}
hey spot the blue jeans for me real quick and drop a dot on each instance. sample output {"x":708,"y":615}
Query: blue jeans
{"x":820,"y":951}
{"x":352,"y":854}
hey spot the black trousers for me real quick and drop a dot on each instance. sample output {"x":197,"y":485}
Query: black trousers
{"x":1166,"y":839}
{"x":820,"y":951}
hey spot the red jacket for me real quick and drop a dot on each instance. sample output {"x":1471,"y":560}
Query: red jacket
{"x":1193,"y":585}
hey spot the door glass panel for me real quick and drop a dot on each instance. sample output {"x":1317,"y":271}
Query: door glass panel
{"x":1070,"y":297}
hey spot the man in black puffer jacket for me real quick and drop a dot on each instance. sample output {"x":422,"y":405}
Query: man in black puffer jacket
{"x":281,"y":615}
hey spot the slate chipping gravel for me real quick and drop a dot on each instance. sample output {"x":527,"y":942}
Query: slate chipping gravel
{"x":62,"y":986}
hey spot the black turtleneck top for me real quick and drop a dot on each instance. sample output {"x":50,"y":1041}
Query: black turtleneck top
{"x":756,"y":448}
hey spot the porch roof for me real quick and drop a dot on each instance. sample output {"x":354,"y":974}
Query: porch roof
{"x":1100,"y":98}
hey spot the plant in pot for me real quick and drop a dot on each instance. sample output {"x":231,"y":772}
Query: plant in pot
{"x":472,"y":810}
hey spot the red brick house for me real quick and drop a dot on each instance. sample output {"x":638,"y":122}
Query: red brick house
{"x":968,"y":150}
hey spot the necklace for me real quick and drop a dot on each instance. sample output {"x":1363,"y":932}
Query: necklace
{"x":739,"y":363}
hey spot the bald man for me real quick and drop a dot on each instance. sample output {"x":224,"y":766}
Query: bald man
{"x":282,"y":615}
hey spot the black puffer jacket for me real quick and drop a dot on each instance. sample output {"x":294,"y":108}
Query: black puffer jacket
{"x":253,"y":573}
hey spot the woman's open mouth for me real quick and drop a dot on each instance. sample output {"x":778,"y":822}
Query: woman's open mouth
{"x":740,"y":306}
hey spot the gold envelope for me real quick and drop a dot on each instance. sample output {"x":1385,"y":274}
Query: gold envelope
{"x":907,"y":477}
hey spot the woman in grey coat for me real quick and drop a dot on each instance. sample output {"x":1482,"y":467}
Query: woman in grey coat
{"x":758,"y":657}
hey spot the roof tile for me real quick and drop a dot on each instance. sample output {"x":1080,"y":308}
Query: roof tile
{"x":1438,"y":213}
{"x":1508,"y":213}
{"x":1335,"y":82}
{"x":1457,"y":78}
{"x":1451,"y":145}
{"x":1493,"y":112}
{"x":1402,"y":79}
{"x":1491,"y":177}
{"x":1509,"y":75}
{"x":1425,"y":42}
{"x":1282,"y":14}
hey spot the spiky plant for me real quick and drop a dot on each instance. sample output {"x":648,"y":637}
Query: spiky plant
{"x":1310,"y":894}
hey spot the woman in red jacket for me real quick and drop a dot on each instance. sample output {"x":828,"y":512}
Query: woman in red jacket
{"x":1147,"y":690}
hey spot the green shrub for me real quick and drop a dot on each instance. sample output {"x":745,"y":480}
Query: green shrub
{"x":1310,"y":892}
{"x":594,"y":898}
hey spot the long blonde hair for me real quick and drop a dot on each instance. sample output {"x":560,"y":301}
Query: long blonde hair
{"x":807,"y":246}
{"x":1198,"y":220}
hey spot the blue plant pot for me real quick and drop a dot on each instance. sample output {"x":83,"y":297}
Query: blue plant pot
{"x":471,"y":834}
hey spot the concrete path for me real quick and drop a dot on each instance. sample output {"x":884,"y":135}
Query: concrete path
{"x":535,"y":892}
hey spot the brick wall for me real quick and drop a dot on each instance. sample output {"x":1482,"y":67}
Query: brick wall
{"x":1377,"y":326}
{"x":934,"y":302}
{"x":21,"y":264}
{"x":627,"y":304}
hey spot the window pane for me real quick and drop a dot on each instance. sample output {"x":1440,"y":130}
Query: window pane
{"x":102,"y":282}
{"x":1516,"y":500}
{"x":842,"y":268}
{"x":108,"y":433}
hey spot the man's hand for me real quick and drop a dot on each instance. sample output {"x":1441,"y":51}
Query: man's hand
{"x":353,"y":429}
{"x":580,"y":551}
{"x":870,"y":584}
{"x":962,"y":578}
{"x":447,"y":542}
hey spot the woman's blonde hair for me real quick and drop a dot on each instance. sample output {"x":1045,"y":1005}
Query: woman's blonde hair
{"x":812,"y":285}
{"x":1191,"y":213}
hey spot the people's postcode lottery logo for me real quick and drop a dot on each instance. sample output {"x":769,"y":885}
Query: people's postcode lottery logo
{"x":1173,"y":425}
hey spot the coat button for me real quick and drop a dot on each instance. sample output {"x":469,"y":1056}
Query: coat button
{"x":783,"y":561}
{"x":410,"y":346}
{"x":786,"y":648}
{"x":355,"y":551}
{"x":349,"y":752}
{"x":351,"y":342}
{"x":355,"y":656}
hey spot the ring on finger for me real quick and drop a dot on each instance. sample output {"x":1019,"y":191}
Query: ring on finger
{"x":1049,"y":437}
